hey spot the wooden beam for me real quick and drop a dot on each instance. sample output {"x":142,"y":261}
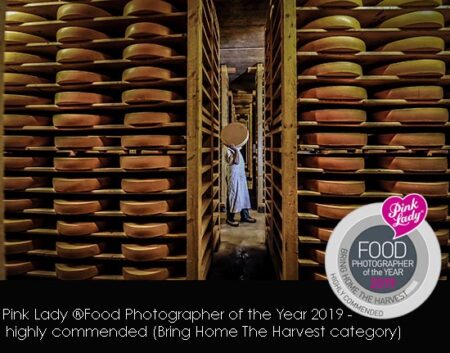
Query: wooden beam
{"x":224,"y":119}
{"x":260,"y":136}
{"x":2,"y":207}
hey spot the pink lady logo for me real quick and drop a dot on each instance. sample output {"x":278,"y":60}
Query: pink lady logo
{"x":404,"y":215}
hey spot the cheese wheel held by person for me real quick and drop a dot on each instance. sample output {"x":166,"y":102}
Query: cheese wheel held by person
{"x":335,"y":44}
{"x":149,"y":274}
{"x":335,"y":116}
{"x":336,"y":187}
{"x":407,"y":187}
{"x":413,"y":115}
{"x":331,"y":211}
{"x":335,"y":139}
{"x":344,"y":93}
{"x":138,"y":141}
{"x":146,"y":51}
{"x":72,"y":12}
{"x":147,"y":162}
{"x":412,"y":3}
{"x":337,"y":22}
{"x":13,"y":79}
{"x":80,"y":120}
{"x":146,"y":73}
{"x":145,"y":253}
{"x":24,"y":142}
{"x":77,"y":207}
{"x":143,"y":119}
{"x":78,"y":35}
{"x":16,"y":246}
{"x":79,"y":185}
{"x":22,"y":183}
{"x":412,"y":139}
{"x":19,"y":38}
{"x":415,"y":164}
{"x":18,"y":100}
{"x":79,"y":55}
{"x":413,"y":68}
{"x":335,"y":69}
{"x":146,"y":30}
{"x":80,"y":142}
{"x":77,"y":250}
{"x":79,"y":164}
{"x":413,"y":93}
{"x":18,"y":267}
{"x":14,"y":18}
{"x":20,"y":121}
{"x":79,"y":228}
{"x":76,"y":272}
{"x":80,"y":98}
{"x":15,"y":163}
{"x":76,"y":77}
{"x":17,"y":58}
{"x":146,"y":185}
{"x":147,"y":8}
{"x":145,"y":95}
{"x":334,"y":3}
{"x":415,"y":20}
{"x":146,"y":230}
{"x":145,"y":208}
{"x":423,"y":44}
{"x":342,"y":164}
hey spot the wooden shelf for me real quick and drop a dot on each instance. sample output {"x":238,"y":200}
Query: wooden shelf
{"x":374,"y":102}
{"x":371,"y":81}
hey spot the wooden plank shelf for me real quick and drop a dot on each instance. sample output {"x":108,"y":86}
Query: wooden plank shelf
{"x":371,"y":172}
{"x":371,"y":81}
{"x":376,"y":195}
{"x":102,"y":192}
{"x":374,"y":103}
{"x":304,"y":216}
{"x":50,"y":171}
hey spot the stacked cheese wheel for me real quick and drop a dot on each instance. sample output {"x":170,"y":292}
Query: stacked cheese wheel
{"x":94,"y":137}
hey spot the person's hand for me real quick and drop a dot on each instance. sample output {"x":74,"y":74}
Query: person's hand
{"x":233,"y":147}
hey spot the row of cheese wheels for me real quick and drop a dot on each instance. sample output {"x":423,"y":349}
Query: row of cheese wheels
{"x":356,"y":3}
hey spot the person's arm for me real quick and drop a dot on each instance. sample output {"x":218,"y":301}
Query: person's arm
{"x":236,"y":157}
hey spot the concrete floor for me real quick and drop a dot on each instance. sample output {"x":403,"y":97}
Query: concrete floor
{"x":242,"y":254}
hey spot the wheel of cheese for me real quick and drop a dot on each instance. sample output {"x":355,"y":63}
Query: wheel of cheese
{"x":335,"y":69}
{"x":146,"y":185}
{"x":18,"y":100}
{"x":337,"y":22}
{"x":444,"y":262}
{"x":335,"y":187}
{"x":414,"y":93}
{"x":14,"y":247}
{"x":334,"y":3}
{"x":425,"y":189}
{"x":23,"y":2}
{"x":78,"y":251}
{"x":78,"y":55}
{"x":146,"y":73}
{"x":320,"y":276}
{"x":412,"y":139}
{"x":77,"y":207}
{"x":143,"y":119}
{"x":318,"y":256}
{"x":20,"y":121}
{"x":17,"y":267}
{"x":13,"y":163}
{"x":79,"y":120}
{"x":79,"y":142}
{"x":413,"y":115}
{"x":151,"y":274}
{"x":138,"y":141}
{"x":413,"y":3}
{"x":13,"y":79}
{"x":21,"y":142}
{"x":335,"y":139}
{"x":146,"y":162}
{"x":146,"y":8}
{"x":442,"y":236}
{"x":144,"y":95}
{"x":335,"y":44}
{"x":323,"y":234}
{"x":72,"y":12}
{"x":350,"y":93}
{"x":415,"y":164}
{"x":80,"y":98}
{"x":413,"y":68}
{"x":147,"y":51}
{"x":146,"y":30}
{"x":79,"y":185}
{"x":342,"y":164}
{"x":424,"y":44}
{"x":16,"y":58}
{"x":437,"y":213}
{"x":14,"y":18}
{"x":78,"y":34}
{"x":75,"y":77}
{"x":416,"y":20}
{"x":146,"y":231}
{"x":144,"y":208}
{"x":19,"y":38}
{"x":18,"y":225}
{"x":22,"y":183}
{"x":79,"y":164}
{"x":143,"y":253}
{"x":78,"y":228}
{"x":335,"y":116}
{"x":76,"y":272}
{"x":331,"y":211}
{"x":18,"y":205}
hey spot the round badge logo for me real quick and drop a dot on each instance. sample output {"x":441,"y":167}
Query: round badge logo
{"x":383,"y":260}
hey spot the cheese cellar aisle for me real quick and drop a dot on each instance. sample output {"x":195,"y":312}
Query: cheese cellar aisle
{"x":356,"y":111}
{"x":111,"y":139}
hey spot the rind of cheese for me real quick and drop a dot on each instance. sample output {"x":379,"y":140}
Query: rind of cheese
{"x":77,"y":207}
{"x":79,"y":120}
{"x":78,"y":34}
{"x":147,"y":51}
{"x":18,"y":205}
{"x":336,"y":139}
{"x":19,"y":121}
{"x":415,"y":164}
{"x":336,"y":187}
{"x":19,"y":38}
{"x":17,"y":18}
{"x":335,"y":69}
{"x":442,"y":236}
{"x":76,"y":272}
{"x":148,"y":119}
{"x":20,"y":142}
{"x":79,"y":164}
{"x":78,"y":251}
{"x":73,"y":77}
{"x":318,"y":255}
{"x":323,"y":234}
{"x":412,"y":3}
{"x":419,"y":93}
{"x":343,"y":164}
{"x":146,"y":8}
{"x":79,"y":55}
{"x":143,"y":253}
{"x":334,"y":3}
{"x":150,"y":274}
{"x":16,"y":58}
{"x":72,"y":12}
{"x":18,"y":100}
{"x":413,"y":68}
{"x":144,"y":95}
{"x":146,"y":30}
{"x":330,"y":211}
{"x":335,"y":44}
{"x":79,"y":185}
{"x":146,"y":231}
{"x":80,"y":98}
{"x":437,"y":213}
{"x":425,"y":189}
{"x":413,"y":115}
{"x":412,"y":139}
{"x":336,"y":22}
{"x":332,"y":116}
{"x":417,"y":19}
{"x":137,"y":141}
{"x":79,"y":228}
{"x":22,"y":183}
{"x":146,"y":73}
{"x":80,"y":142}
{"x":350,"y":93}
{"x":13,"y":79}
{"x":147,"y":162}
{"x":144,"y":208}
{"x":146,"y":185}
{"x":14,"y":163}
{"x":18,"y":225}
{"x":17,"y":268}
{"x":424,"y":44}
{"x":14,"y":247}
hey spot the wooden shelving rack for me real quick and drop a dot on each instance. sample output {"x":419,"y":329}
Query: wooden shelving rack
{"x":195,"y":37}
{"x":297,"y":253}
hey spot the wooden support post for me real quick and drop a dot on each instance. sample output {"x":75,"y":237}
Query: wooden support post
{"x":224,"y":120}
{"x":2,"y":207}
{"x":260,"y":137}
